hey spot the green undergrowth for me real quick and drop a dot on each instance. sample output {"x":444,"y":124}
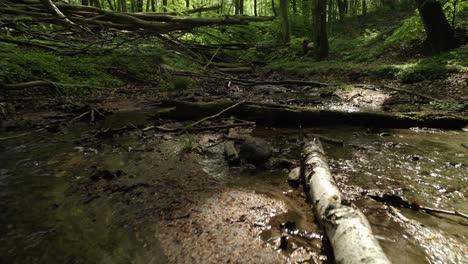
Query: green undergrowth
{"x":381,"y":45}
{"x":430,"y":68}
{"x":85,"y":73}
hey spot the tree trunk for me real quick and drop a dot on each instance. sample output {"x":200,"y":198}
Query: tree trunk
{"x":341,"y":9}
{"x":187,"y":3}
{"x":111,"y":5}
{"x":389,"y":3}
{"x":439,"y":33}
{"x":241,"y":7}
{"x":320,"y":29}
{"x":139,"y":5}
{"x":294,"y":6}
{"x":123,"y":6}
{"x":153,"y":6}
{"x":364,"y":7}
{"x":85,"y":2}
{"x":273,"y":8}
{"x":164,"y":2}
{"x":285,"y":34}
{"x":255,"y":7}
{"x":96,"y":3}
{"x":347,"y":229}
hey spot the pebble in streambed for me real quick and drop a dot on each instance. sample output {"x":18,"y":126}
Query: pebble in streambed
{"x":255,"y":150}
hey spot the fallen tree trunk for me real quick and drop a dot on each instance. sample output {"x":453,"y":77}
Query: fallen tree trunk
{"x":291,"y":116}
{"x":89,"y":16}
{"x":347,"y":228}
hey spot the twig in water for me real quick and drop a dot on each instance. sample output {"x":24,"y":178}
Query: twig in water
{"x":21,"y":135}
{"x":216,"y":115}
{"x":396,"y":200}
{"x":225,"y":126}
{"x":80,"y":116}
{"x":397,"y":214}
{"x":443,"y":211}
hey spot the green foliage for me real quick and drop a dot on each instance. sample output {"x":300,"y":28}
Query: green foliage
{"x":311,"y":67}
{"x":385,"y":71}
{"x":411,"y":30}
{"x":21,"y":65}
{"x":449,"y":106}
{"x":140,"y":62}
{"x":141,"y":67}
{"x":365,"y":47}
{"x":435,"y":67}
{"x":421,"y":72}
{"x":186,"y":143}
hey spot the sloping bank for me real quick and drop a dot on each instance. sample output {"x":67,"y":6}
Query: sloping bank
{"x":294,"y":116}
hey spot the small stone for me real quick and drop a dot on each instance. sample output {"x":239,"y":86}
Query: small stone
{"x":284,"y":242}
{"x":294,"y":177}
{"x":255,"y":151}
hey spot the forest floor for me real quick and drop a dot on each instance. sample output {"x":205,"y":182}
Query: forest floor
{"x":349,"y":93}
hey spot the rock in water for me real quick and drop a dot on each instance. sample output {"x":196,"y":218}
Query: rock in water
{"x":255,"y":151}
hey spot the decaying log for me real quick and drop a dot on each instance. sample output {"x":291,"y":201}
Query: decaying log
{"x":291,"y":116}
{"x":83,"y":17}
{"x":347,"y":228}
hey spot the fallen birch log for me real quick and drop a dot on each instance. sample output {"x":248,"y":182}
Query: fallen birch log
{"x":346,"y":227}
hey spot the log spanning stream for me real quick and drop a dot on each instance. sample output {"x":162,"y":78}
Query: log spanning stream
{"x":129,"y":199}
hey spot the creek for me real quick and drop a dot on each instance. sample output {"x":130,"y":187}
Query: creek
{"x":54,"y":212}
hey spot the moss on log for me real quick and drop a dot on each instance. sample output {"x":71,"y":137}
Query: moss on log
{"x":292,"y":116}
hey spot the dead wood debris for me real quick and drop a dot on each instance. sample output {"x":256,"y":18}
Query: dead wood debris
{"x":397,"y":201}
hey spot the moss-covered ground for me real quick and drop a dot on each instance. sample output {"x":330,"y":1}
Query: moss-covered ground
{"x":112,"y":69}
{"x":381,"y":45}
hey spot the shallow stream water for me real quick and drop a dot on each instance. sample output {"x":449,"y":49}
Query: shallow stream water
{"x":44,"y":220}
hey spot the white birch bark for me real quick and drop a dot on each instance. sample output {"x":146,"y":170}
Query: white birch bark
{"x":346,"y":227}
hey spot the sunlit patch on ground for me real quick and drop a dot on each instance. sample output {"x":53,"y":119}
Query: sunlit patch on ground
{"x":226,"y":228}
